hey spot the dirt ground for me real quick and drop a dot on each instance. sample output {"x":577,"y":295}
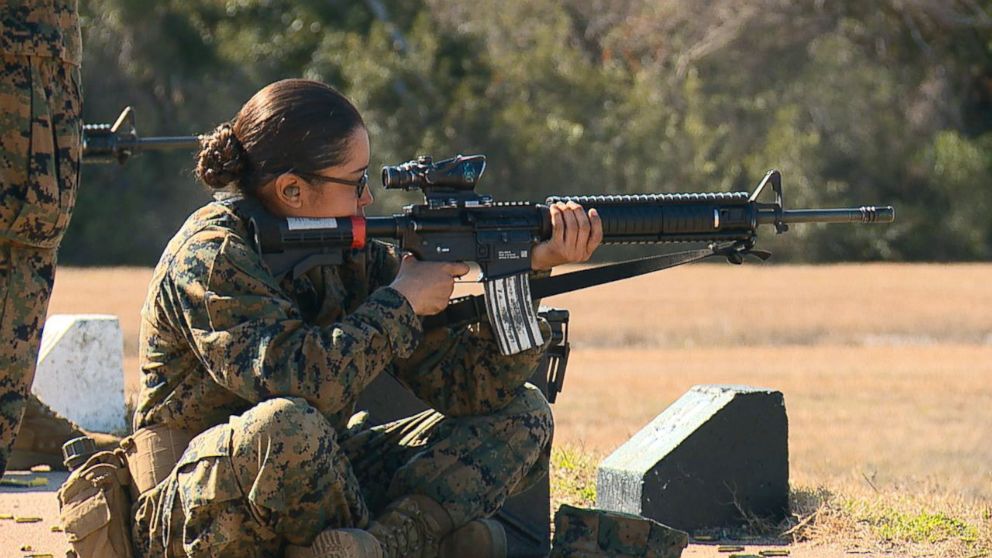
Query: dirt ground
{"x":41,"y":540}
{"x":886,"y":369}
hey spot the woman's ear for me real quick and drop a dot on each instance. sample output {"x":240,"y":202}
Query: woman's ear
{"x":288,"y":190}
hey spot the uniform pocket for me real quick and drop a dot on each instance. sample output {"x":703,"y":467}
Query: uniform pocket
{"x":67,"y":126}
{"x":217,"y":518}
{"x":204,"y":474}
{"x":48,"y":191}
{"x":208,"y":481}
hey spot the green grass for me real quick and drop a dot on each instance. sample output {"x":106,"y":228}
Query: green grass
{"x":914,"y":525}
{"x":906,"y":522}
{"x":573,"y":477}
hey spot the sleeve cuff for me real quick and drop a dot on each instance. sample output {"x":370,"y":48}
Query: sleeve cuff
{"x":402,"y":326}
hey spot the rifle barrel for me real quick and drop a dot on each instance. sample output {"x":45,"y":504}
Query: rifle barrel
{"x":863,"y":214}
{"x":100,"y":145}
{"x":170,"y":142}
{"x":164,"y":142}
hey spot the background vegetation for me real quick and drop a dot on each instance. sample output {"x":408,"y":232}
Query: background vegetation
{"x":856,"y":102}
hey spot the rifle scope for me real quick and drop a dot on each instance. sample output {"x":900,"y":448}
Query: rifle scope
{"x":457,"y":173}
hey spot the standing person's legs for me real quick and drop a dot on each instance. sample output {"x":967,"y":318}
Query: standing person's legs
{"x":26,"y":279}
{"x":40,"y":148}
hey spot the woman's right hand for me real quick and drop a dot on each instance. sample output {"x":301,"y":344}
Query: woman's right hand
{"x":427,"y":286}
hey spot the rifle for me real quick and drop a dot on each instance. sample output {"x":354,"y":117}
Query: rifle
{"x":117,"y":142}
{"x":457,"y":224}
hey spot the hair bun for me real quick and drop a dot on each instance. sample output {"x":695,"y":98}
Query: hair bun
{"x":222,"y":159}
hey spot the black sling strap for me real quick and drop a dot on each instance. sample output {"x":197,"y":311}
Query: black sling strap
{"x":471,"y":309}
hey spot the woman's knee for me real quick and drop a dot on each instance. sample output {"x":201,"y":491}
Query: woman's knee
{"x":532,"y":413}
{"x":282,"y":416}
{"x":301,"y":482}
{"x":282,"y":429}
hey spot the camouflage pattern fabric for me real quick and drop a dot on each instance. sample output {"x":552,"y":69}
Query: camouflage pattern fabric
{"x":40,"y":135}
{"x":221,"y":337}
{"x":26,"y":278}
{"x":42,"y":28}
{"x":585,"y":533}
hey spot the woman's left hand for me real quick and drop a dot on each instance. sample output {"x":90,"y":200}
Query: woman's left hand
{"x":575,"y":236}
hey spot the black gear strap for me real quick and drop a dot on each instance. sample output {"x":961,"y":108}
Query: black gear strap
{"x":471,"y":309}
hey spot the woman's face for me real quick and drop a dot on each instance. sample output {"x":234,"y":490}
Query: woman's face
{"x":308,"y":195}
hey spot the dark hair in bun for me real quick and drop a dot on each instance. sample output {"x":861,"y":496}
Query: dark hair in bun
{"x":222,"y":159}
{"x":290,"y":125}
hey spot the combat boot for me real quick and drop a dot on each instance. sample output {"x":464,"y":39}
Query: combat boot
{"x":42,"y":433}
{"x":482,"y":538}
{"x":338,"y":543}
{"x":412,"y":526}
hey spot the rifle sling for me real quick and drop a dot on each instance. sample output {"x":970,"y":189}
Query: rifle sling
{"x":471,"y":309}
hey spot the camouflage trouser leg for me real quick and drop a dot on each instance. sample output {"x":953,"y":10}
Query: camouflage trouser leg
{"x":40,"y":145}
{"x":276,"y":474}
{"x":468,"y":464}
{"x":270,"y":475}
{"x":40,"y":148}
{"x":26,"y":278}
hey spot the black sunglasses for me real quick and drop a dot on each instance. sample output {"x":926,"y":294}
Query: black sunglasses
{"x":360,"y":185}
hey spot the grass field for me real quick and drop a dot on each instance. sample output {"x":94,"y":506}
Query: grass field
{"x":886,"y":372}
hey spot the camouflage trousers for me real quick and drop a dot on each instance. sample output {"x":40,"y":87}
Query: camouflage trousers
{"x":40,"y":148}
{"x":26,"y":278}
{"x":280,"y":474}
{"x":40,"y":145}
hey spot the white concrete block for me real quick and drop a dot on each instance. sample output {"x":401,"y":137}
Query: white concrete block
{"x":81,"y":370}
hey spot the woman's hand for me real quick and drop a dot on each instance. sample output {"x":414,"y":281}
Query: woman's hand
{"x":575,"y":236}
{"x":427,"y":286}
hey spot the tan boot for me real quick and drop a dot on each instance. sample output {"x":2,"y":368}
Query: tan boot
{"x":482,"y":538}
{"x":412,"y":527}
{"x":338,"y":543}
{"x":42,"y":433}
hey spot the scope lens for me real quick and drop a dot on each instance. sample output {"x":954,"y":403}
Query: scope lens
{"x":397,"y":178}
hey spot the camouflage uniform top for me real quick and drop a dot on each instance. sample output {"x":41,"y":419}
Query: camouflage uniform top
{"x":45,"y":28}
{"x":219,"y":334}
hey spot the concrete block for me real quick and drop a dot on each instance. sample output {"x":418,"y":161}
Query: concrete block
{"x":716,"y":448}
{"x":80,"y":370}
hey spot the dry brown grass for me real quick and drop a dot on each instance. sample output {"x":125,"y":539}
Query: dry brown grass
{"x":925,"y":521}
{"x":886,"y":371}
{"x":720,"y":304}
{"x":895,"y":414}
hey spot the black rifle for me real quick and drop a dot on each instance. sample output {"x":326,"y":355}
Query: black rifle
{"x":117,"y":142}
{"x":456,"y":224}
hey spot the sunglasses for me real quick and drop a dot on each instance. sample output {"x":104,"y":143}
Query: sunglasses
{"x":359,"y":185}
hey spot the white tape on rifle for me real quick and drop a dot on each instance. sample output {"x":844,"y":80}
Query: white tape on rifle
{"x":307,"y":223}
{"x":512,"y":315}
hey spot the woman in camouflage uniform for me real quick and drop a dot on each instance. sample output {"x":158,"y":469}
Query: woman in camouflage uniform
{"x":265,"y":372}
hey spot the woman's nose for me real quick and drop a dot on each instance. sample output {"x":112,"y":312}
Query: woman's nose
{"x":366,"y":199}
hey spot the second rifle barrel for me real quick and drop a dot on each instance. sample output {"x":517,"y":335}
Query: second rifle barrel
{"x":166,"y":142}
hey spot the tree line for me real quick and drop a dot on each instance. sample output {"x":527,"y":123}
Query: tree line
{"x":886,"y":102}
